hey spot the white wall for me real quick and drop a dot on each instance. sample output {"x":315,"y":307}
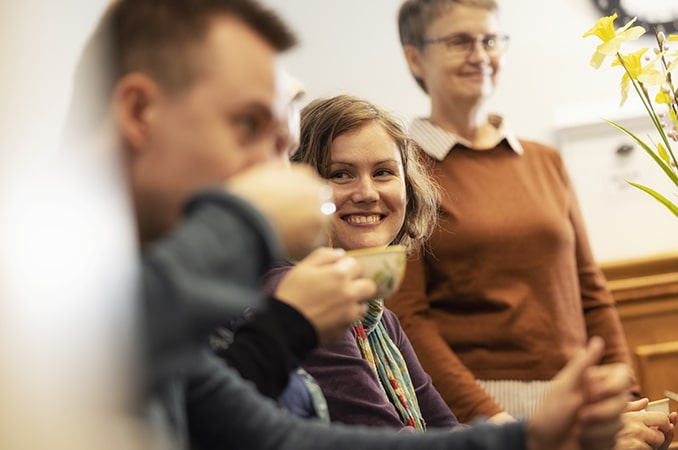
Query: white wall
{"x":40,"y":46}
{"x":352,"y":46}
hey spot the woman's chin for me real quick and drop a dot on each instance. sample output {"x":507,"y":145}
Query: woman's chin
{"x":367,"y":244}
{"x":357,"y":238}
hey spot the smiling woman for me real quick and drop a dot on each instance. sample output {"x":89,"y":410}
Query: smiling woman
{"x":370,"y":376}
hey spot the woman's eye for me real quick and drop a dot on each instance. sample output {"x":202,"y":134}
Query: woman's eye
{"x":338,"y":175}
{"x":383,"y":173}
{"x":461,"y":41}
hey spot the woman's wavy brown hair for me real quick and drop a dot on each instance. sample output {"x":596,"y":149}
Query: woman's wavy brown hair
{"x":323,"y":120}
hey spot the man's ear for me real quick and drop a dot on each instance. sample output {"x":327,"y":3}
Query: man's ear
{"x":135,"y":101}
{"x":413,"y":58}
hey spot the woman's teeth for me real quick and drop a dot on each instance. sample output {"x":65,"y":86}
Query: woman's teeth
{"x":363,"y":219}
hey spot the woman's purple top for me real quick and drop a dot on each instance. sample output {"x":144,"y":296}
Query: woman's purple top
{"x":351,"y":387}
{"x":352,"y":390}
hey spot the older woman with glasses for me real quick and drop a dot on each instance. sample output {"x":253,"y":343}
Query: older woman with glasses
{"x":509,"y":290}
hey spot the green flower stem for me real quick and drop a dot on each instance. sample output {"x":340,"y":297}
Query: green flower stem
{"x":669,"y":79}
{"x":669,"y":83}
{"x":667,"y":170}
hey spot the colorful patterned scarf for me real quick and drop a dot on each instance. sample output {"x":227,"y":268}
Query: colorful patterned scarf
{"x":379,"y":350}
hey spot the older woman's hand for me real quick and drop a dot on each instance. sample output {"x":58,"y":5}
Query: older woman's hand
{"x":645,"y":430}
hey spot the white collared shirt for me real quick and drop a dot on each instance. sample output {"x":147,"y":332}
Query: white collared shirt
{"x":437,"y":142}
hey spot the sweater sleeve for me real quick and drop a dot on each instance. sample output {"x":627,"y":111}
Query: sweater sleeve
{"x":599,"y":308}
{"x":455,"y":383}
{"x":269,"y":345}
{"x":200,"y":276}
{"x":223,"y":412}
{"x":433,"y":408}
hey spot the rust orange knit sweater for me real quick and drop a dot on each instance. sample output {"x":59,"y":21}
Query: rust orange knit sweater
{"x":509,"y":288}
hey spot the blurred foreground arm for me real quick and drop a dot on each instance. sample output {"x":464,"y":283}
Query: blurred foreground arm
{"x":208,"y":270}
{"x":200,"y":277}
{"x":319,"y":298}
{"x":223,"y":412}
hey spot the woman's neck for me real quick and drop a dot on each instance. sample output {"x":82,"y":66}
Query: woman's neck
{"x":468,"y":120}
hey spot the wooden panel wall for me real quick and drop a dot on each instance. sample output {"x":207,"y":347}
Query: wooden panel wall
{"x":646,"y":291}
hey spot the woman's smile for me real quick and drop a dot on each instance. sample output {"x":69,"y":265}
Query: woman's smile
{"x":363,"y":219}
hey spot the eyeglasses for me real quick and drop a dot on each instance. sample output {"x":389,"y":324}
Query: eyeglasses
{"x":461,"y":45}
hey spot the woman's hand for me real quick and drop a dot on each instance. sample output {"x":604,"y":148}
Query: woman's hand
{"x":645,"y":430}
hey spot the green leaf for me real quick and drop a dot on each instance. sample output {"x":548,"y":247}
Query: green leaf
{"x":663,"y":200}
{"x":665,"y":167}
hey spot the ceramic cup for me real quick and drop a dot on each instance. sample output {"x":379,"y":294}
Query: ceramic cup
{"x":659,"y":406}
{"x":384,"y":265}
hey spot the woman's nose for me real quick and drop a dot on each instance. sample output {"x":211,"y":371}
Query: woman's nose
{"x":478,"y":52}
{"x":365,"y":191}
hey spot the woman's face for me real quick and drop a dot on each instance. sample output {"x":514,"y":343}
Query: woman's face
{"x":368,"y":180}
{"x":461,"y":77}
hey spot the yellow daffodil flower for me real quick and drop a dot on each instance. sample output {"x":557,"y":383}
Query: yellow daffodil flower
{"x":663,"y":154}
{"x":612,"y":39}
{"x":643,"y":76}
{"x":663,"y":98}
{"x":674,"y":62}
{"x":635,"y":70}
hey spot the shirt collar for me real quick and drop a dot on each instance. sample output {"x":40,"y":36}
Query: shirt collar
{"x":437,"y":142}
